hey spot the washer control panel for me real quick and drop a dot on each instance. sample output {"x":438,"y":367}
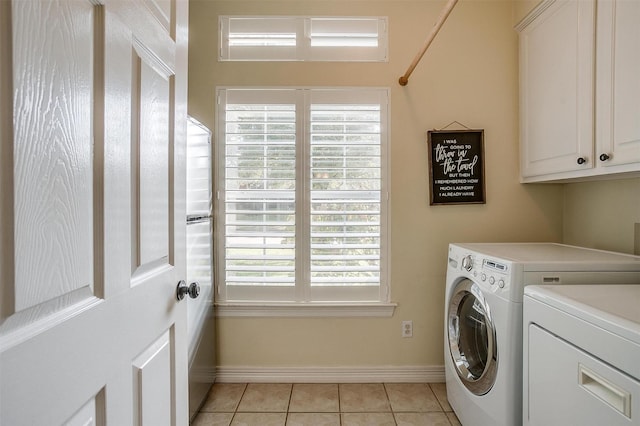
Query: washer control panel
{"x":488,"y":271}
{"x":495,"y":273}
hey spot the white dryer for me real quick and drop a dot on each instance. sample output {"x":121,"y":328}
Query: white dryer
{"x":483,"y":317}
{"x":581,"y":343}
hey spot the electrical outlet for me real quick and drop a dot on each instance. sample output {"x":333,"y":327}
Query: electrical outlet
{"x":407,"y":328}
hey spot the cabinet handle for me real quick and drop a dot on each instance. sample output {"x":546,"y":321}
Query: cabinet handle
{"x":604,"y":390}
{"x":604,"y":157}
{"x":581,"y":160}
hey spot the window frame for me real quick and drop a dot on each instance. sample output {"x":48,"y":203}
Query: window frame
{"x":268,"y":301}
{"x":300,"y":29}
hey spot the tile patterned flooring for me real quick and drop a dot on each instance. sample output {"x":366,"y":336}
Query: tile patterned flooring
{"x":301,"y":404}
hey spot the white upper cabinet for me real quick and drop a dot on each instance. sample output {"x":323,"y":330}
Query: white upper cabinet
{"x":618,"y":83}
{"x":579,"y":90}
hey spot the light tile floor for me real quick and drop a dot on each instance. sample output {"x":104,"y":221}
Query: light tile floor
{"x":300,"y":404}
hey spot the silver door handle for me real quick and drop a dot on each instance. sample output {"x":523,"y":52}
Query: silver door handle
{"x":193,"y":290}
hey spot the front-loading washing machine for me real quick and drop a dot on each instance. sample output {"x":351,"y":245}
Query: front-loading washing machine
{"x":483,"y":317}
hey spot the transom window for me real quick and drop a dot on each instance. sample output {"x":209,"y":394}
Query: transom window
{"x":302,"y":38}
{"x":302,"y":194}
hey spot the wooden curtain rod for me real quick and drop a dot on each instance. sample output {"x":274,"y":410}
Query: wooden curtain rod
{"x":443,"y":17}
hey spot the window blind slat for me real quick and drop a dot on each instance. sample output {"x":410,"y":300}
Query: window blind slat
{"x":340,"y":135}
{"x":260,"y":158}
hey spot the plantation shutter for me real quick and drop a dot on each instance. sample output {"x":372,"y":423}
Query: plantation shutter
{"x":346,"y":194}
{"x":259,"y":38}
{"x":303,"y":194}
{"x":302,"y":38}
{"x":347,"y":39}
{"x":259,"y":194}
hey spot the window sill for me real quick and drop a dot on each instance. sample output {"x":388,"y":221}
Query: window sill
{"x":310,"y":309}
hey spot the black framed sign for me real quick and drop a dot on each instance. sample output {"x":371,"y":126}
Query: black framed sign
{"x":456,"y":166}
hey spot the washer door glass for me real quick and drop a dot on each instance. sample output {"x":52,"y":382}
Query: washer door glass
{"x":472,"y":340}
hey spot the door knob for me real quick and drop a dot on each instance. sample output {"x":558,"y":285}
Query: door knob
{"x":604,"y":157}
{"x":581,"y":160}
{"x":193,"y":290}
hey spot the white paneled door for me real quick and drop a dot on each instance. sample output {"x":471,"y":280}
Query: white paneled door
{"x":92,"y":212}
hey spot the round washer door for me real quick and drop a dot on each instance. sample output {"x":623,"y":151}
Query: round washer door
{"x":472,"y":338}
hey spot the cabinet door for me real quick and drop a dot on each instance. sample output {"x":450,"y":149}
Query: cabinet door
{"x":618,"y":85}
{"x":556,"y":88}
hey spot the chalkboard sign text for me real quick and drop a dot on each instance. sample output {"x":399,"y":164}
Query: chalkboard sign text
{"x":456,"y":166}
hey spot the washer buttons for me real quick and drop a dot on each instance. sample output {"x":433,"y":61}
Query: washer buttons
{"x":483,"y":277}
{"x":492,"y":280}
{"x":501,"y":284}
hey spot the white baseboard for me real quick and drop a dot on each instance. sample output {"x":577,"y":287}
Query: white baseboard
{"x":202,"y":374}
{"x":382,"y":374}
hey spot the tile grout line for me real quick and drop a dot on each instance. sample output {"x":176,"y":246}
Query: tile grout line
{"x":436,"y":397}
{"x":339,"y":406}
{"x":286,"y":415}
{"x":386,"y":393}
{"x":393,"y":414}
{"x":235,"y":412}
{"x":440,"y":404}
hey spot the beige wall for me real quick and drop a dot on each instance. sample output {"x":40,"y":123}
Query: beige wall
{"x":602,"y":214}
{"x":469,"y":75}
